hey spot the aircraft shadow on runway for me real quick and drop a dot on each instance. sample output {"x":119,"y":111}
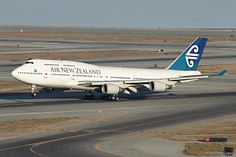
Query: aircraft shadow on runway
{"x":71,"y":95}
{"x":80,"y":95}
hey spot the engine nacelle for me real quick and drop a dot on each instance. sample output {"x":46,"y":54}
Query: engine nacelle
{"x":158,"y":86}
{"x":110,"y":89}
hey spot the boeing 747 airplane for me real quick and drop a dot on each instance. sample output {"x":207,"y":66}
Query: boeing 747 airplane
{"x":113,"y":80}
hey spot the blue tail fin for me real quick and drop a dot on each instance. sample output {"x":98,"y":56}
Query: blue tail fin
{"x":190,"y":57}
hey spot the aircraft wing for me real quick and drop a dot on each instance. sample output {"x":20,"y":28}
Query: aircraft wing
{"x":132,"y":85}
{"x":146,"y":81}
{"x":178,"y":79}
{"x":197,"y":77}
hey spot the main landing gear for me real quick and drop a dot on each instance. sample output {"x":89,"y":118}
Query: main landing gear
{"x":33,"y":91}
{"x":111,"y":97}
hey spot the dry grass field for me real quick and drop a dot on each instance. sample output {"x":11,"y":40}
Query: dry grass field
{"x":92,"y":36}
{"x":82,"y":55}
{"x":192,"y":133}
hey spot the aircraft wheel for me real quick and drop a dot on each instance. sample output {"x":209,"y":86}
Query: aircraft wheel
{"x":110,"y":97}
{"x":114,"y":98}
{"x":34,"y":94}
{"x":33,"y":91}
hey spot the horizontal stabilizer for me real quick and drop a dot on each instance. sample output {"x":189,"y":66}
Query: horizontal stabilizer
{"x":222,"y":73}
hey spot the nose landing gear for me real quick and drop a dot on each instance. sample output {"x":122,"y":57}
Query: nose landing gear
{"x":33,"y":91}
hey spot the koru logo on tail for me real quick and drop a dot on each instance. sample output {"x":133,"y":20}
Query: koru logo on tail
{"x":192,"y":55}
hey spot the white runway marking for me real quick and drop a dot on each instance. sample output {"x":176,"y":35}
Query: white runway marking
{"x":74,"y":111}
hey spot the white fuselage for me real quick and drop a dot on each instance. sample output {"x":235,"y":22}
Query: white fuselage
{"x":71,"y":74}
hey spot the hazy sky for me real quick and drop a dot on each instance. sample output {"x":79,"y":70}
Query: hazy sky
{"x":120,"y":13}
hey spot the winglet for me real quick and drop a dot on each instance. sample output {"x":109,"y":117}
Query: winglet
{"x":222,"y":73}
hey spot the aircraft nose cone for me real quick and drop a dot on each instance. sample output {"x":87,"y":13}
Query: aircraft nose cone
{"x":14,"y":73}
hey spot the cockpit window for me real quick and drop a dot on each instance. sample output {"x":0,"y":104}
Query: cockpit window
{"x":29,"y":62}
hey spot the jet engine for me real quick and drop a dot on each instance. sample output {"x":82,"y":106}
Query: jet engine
{"x":110,"y":89}
{"x":158,"y":86}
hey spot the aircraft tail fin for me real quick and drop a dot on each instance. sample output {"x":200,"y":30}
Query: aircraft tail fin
{"x":190,"y":57}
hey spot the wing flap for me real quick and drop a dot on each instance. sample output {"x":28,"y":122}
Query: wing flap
{"x":138,"y":81}
{"x":185,"y":78}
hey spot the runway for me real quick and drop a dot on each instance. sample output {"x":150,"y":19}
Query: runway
{"x":188,"y":103}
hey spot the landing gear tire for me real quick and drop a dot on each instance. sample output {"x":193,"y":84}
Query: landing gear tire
{"x":110,"y":97}
{"x":117,"y":98}
{"x":114,"y":98}
{"x":34,"y":94}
